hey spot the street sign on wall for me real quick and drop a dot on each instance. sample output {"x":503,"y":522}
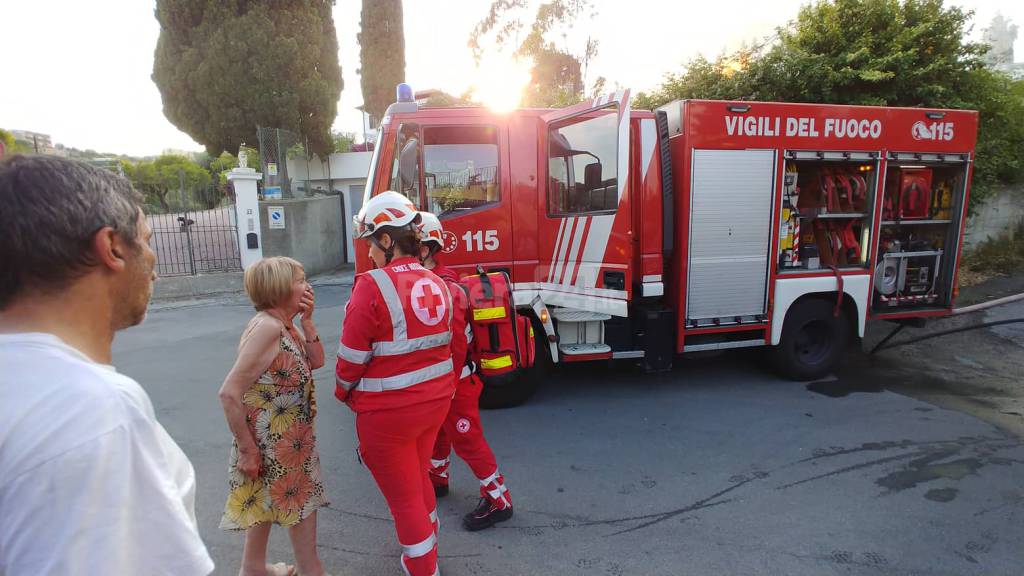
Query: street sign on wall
{"x":275,"y":217}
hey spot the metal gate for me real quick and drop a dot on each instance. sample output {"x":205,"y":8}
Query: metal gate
{"x":196,"y":239}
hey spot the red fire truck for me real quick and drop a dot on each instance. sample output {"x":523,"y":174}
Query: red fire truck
{"x":703,"y":225}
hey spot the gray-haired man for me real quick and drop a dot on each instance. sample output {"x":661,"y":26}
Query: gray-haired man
{"x":90,"y":482}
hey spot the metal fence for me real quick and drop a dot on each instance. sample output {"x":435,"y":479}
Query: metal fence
{"x":194,"y":239}
{"x":277,"y":147}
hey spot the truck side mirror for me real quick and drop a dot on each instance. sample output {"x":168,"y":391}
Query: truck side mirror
{"x":592,"y":176}
{"x":409,"y":165}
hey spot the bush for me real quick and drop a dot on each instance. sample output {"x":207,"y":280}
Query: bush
{"x":998,"y":256}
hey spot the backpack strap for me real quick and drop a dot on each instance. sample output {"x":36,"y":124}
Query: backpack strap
{"x":485,"y":282}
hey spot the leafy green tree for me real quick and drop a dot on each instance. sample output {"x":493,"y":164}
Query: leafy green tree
{"x":556,"y":79}
{"x":999,"y":156}
{"x":876,"y":52}
{"x":13,"y":145}
{"x":557,"y":76}
{"x":441,"y":99}
{"x":381,"y":54}
{"x":871,"y":52}
{"x":224,"y":68}
{"x":120,"y":167}
{"x":7,"y":139}
{"x":158,"y":178}
{"x":219,"y":168}
{"x":223,"y":164}
{"x":343,"y":141}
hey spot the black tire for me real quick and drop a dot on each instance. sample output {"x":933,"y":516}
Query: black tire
{"x":813,"y":340}
{"x":514,"y":389}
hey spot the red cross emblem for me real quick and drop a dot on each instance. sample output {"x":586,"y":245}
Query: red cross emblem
{"x":451,"y":242}
{"x":428,"y":302}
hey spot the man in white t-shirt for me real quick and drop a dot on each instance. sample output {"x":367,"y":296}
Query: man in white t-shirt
{"x":90,"y":482}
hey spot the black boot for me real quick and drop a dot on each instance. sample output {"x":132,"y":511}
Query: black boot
{"x":485,"y":515}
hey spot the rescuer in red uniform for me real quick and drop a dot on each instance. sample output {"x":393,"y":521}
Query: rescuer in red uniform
{"x":395,"y":371}
{"x":462,"y":429}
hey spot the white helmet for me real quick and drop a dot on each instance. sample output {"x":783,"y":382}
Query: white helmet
{"x":431,"y":229}
{"x":383,"y":210}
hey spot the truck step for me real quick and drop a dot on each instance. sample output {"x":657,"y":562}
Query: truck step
{"x":724,"y":345}
{"x":566,"y":315}
{"x":581,"y":349}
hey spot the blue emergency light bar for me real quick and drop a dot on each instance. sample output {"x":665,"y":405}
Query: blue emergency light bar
{"x":404,"y":93}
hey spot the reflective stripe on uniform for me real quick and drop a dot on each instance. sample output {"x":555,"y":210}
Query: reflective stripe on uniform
{"x":390,"y":295}
{"x":420,"y":549}
{"x":411,"y":345}
{"x":499,"y":491}
{"x":496,"y":363}
{"x":469,"y":333}
{"x":344,"y":383}
{"x":436,"y":521}
{"x":352,"y":355}
{"x":451,"y":302}
{"x":490,"y":478}
{"x":439,"y":463}
{"x":406,"y":380}
{"x":467,"y":371}
{"x":489,"y":313}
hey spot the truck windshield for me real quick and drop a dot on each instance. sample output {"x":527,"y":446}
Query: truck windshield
{"x":447,"y":170}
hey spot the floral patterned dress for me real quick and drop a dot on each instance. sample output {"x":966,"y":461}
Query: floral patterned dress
{"x":281,"y":407}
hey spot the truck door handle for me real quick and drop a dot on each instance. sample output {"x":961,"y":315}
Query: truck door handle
{"x":615,"y":280}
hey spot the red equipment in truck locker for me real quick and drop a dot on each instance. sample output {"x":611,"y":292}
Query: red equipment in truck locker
{"x":635,"y":234}
{"x":915,"y":193}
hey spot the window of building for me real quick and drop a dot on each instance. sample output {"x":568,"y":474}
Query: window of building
{"x":583,"y":164}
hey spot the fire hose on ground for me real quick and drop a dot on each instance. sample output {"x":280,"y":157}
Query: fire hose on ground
{"x":956,"y":312}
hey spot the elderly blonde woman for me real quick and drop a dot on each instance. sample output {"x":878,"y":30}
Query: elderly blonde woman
{"x":269,"y":403}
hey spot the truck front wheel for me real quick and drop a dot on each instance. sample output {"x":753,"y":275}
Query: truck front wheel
{"x":813,"y":338}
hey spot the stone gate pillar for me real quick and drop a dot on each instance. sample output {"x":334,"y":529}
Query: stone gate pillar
{"x":250,"y":244}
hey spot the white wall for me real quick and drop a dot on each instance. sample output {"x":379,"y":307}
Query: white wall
{"x":341,"y":173}
{"x":998,"y":216}
{"x":343,"y":166}
{"x":350,"y":188}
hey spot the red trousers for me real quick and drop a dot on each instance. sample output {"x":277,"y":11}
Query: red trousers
{"x":463,"y":431}
{"x":396,"y":445}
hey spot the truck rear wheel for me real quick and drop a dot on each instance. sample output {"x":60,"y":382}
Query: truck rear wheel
{"x":813,"y":339}
{"x":510,"y":390}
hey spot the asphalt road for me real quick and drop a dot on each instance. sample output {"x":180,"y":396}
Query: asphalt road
{"x":715,"y":468}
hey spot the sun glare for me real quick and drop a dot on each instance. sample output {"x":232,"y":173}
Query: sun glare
{"x":500,"y":80}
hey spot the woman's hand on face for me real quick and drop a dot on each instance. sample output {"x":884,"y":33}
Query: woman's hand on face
{"x":307,"y":304}
{"x":249,"y":462}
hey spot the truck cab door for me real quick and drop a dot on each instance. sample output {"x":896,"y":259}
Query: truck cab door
{"x":452,"y":166}
{"x":584,"y":223}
